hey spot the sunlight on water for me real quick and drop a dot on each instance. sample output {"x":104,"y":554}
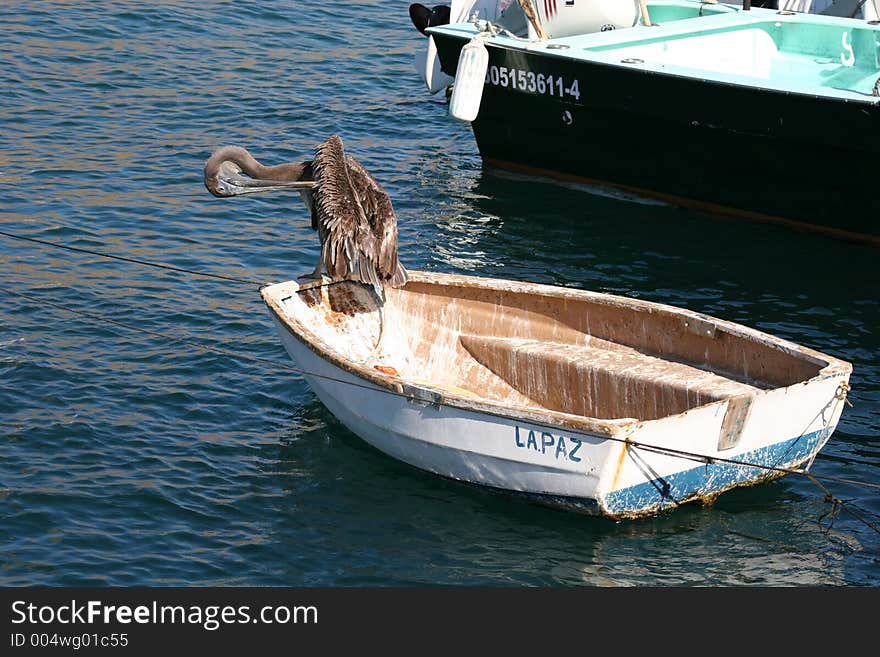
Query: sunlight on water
{"x":128,"y":459}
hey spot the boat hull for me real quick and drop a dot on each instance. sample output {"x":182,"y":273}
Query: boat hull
{"x":765,"y":153}
{"x":638,"y":469}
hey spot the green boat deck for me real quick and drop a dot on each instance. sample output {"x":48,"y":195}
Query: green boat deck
{"x":792,"y":52}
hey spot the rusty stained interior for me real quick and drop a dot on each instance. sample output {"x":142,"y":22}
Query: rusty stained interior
{"x":573,"y":355}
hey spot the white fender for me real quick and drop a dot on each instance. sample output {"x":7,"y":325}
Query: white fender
{"x":470,"y":76}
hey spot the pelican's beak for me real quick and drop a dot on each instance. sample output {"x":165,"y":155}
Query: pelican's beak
{"x":230,"y":181}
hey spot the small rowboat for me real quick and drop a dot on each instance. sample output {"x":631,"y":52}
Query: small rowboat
{"x":592,"y":402}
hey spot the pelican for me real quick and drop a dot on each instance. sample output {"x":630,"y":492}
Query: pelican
{"x":349,"y":209}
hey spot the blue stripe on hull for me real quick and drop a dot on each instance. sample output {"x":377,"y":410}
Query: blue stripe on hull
{"x":711,"y":478}
{"x":703,"y":481}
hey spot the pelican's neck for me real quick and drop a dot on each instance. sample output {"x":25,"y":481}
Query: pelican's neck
{"x":289,"y":171}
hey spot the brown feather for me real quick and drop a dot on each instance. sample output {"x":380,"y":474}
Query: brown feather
{"x":355,"y":220}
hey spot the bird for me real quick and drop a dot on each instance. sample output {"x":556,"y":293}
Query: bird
{"x":351,"y":212}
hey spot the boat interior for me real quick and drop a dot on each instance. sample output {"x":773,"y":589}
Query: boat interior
{"x":792,"y":52}
{"x":584,"y":354}
{"x":589,"y":17}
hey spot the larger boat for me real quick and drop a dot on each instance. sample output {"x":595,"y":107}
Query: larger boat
{"x":768,"y":114}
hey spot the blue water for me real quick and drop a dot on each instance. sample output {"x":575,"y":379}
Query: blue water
{"x":129,"y":459}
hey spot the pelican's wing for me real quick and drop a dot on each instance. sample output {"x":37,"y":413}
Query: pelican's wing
{"x":382,"y":221}
{"x":336,"y":207}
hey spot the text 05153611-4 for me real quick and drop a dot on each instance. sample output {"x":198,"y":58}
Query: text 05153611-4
{"x":531,"y":82}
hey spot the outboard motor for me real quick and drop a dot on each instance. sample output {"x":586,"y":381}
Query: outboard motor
{"x":423,"y":18}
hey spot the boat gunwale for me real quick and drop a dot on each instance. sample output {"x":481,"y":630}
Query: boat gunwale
{"x":420,"y":391}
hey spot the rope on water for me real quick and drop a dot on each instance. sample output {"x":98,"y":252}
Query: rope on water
{"x":174,"y":338}
{"x":127,"y":259}
{"x":837,"y":503}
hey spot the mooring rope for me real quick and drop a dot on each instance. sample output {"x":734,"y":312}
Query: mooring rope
{"x":127,"y":259}
{"x":702,"y":458}
{"x":709,"y":460}
{"x":534,"y":19}
{"x":175,"y":338}
{"x":836,"y":502}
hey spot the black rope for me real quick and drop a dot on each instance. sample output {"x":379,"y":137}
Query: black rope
{"x":186,"y":341}
{"x":671,"y":451}
{"x":848,"y":506}
{"x":126,"y":259}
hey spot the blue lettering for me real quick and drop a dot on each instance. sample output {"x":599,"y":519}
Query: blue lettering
{"x":548,"y":440}
{"x":560,"y":447}
{"x":533,"y":442}
{"x":577,"y":446}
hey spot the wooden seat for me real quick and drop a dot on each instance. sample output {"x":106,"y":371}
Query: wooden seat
{"x":600,"y":378}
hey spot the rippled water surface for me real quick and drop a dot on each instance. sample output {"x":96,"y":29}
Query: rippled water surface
{"x":127,"y":458}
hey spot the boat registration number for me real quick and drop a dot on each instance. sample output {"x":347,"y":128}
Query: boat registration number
{"x":561,"y":447}
{"x":531,"y":82}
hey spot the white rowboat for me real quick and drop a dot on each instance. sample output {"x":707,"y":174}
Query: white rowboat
{"x":593,"y":402}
